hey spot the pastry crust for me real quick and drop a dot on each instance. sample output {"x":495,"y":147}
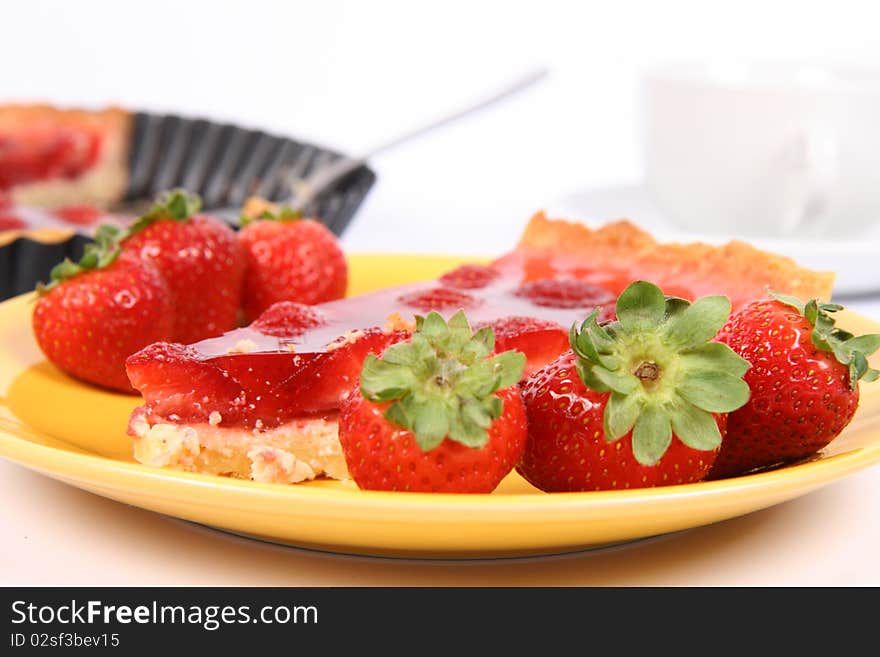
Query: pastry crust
{"x":737,"y":269}
{"x":14,"y":115}
{"x":102,"y":184}
{"x":41,"y":235}
{"x":299,"y":450}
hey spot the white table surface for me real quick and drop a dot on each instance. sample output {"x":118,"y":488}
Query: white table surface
{"x":467,"y":190}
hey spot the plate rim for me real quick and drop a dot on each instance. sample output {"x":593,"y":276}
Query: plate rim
{"x":18,"y":449}
{"x":79,"y":468}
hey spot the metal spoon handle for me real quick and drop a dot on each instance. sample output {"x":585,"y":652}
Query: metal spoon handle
{"x":305,"y":190}
{"x":510,"y":89}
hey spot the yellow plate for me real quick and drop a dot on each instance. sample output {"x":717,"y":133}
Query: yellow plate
{"x":76,"y":434}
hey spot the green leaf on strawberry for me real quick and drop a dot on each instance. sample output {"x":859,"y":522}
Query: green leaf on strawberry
{"x":97,"y":255}
{"x":665,"y":374}
{"x":283,"y":214}
{"x":442,"y":382}
{"x":848,"y":349}
{"x":175,"y":204}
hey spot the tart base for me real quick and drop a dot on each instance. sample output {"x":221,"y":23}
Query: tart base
{"x":295,"y":451}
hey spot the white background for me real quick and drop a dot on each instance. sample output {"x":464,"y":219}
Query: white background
{"x":351,"y":74}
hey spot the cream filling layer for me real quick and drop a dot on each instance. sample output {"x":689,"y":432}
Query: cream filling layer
{"x":295,"y":451}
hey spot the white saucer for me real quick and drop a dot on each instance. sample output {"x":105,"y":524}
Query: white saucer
{"x":854,"y":259}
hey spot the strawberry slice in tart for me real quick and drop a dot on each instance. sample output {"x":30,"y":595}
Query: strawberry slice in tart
{"x":262,"y":402}
{"x":79,"y":218}
{"x":51,"y":156}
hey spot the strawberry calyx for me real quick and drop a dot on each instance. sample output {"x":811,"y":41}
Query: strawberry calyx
{"x":280,"y":214}
{"x":283,"y":214}
{"x":97,"y":255}
{"x":850,"y":350}
{"x":257,"y":208}
{"x":175,"y":204}
{"x":441,"y":382}
{"x":665,"y":373}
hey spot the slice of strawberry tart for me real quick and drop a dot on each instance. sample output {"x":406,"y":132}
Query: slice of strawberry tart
{"x":262,"y":402}
{"x":51,"y":156}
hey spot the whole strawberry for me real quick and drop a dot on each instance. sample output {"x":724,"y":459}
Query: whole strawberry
{"x":804,"y":379}
{"x":290,"y":259}
{"x":639,"y":402}
{"x":436,"y":413}
{"x":201,"y":260}
{"x":96,"y":312}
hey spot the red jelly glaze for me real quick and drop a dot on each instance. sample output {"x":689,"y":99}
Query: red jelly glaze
{"x":469,"y":277}
{"x":10,"y":221}
{"x":46,"y":153}
{"x":287,"y":319}
{"x":79,"y":215}
{"x":438,"y":298}
{"x":264,"y":374}
{"x":181,"y":386}
{"x":564,"y":293}
{"x":534,"y":264}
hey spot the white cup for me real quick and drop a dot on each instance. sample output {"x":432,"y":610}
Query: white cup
{"x":763,"y":149}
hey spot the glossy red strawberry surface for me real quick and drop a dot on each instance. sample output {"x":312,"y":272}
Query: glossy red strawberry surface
{"x":567,"y":449}
{"x":88,"y":325}
{"x":255,"y":389}
{"x":801,"y":397}
{"x":297,"y":260}
{"x":181,"y":386}
{"x":383,"y":456}
{"x":204,"y":265}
